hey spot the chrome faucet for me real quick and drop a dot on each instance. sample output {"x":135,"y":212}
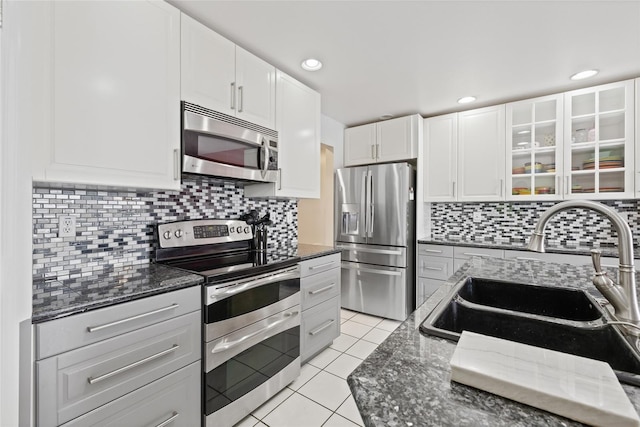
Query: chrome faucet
{"x":623,"y":296}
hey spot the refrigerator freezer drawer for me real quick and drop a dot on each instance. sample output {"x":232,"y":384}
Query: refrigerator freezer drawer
{"x":374,"y":254}
{"x":376,"y":290}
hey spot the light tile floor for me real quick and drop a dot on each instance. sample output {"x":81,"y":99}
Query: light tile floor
{"x":320,"y":396}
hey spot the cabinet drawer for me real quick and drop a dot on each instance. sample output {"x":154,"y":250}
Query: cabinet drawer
{"x":58,"y":336}
{"x":425,"y":288}
{"x":319,"y":287}
{"x":320,"y":264}
{"x":435,"y":267}
{"x":175,"y":397}
{"x":76,"y":382}
{"x":435,"y":250}
{"x":319,"y":327}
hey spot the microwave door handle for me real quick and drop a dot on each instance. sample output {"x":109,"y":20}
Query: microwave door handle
{"x":265,"y":160}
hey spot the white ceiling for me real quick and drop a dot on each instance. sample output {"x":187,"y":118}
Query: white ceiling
{"x":403,"y":57}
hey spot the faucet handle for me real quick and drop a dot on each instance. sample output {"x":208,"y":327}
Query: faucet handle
{"x":595,"y":259}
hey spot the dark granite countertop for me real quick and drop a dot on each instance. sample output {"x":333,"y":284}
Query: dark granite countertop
{"x":609,"y":251}
{"x":305,"y":251}
{"x":406,"y":381}
{"x":53,"y":299}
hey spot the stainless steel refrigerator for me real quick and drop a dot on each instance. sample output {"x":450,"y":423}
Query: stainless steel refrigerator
{"x":375,"y":229}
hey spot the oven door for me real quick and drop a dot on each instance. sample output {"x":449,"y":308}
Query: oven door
{"x":217,"y":148}
{"x":232,"y":305}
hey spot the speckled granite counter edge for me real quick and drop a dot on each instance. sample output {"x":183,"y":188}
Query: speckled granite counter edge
{"x":179,"y":280}
{"x":606,"y":250}
{"x":406,"y":380}
{"x":307,"y":251}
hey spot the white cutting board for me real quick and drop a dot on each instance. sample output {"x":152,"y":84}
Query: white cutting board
{"x":582,"y":389}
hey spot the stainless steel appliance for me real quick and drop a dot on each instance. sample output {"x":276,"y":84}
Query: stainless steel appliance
{"x":219,"y":145}
{"x":375,"y":228}
{"x":251,"y":303}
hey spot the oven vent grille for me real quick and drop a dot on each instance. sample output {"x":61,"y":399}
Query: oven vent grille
{"x":229,"y":119}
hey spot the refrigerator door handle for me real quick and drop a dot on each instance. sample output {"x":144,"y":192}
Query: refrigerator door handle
{"x":371,"y":251}
{"x":371,"y":204}
{"x":364,"y":200}
{"x":372,"y":270}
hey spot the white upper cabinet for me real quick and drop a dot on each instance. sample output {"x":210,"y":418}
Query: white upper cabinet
{"x":387,"y":141}
{"x":298,"y":126}
{"x":637,"y":136}
{"x":534,"y":147}
{"x":599,"y":142}
{"x":440,"y":158}
{"x":218,"y":75}
{"x":113,"y":83}
{"x":481,"y":161}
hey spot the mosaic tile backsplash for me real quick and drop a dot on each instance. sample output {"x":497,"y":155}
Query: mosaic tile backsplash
{"x":512,"y":223}
{"x":116,"y":228}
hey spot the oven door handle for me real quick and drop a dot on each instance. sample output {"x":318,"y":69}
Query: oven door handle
{"x":270,"y":326}
{"x":217,"y":294}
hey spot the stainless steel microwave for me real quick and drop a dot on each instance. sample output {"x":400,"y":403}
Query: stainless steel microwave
{"x":219,"y":145}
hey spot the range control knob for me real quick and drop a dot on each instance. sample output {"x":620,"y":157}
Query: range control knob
{"x":166,"y":235}
{"x":246,"y":230}
{"x":239,"y":229}
{"x":178,"y":233}
{"x":232,"y":230}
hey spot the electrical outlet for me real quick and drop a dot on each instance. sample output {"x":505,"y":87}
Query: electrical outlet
{"x":66,"y":226}
{"x":477,"y":216}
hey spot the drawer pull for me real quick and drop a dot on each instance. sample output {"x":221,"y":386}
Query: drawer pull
{"x":322,"y":328}
{"x":315,"y":267}
{"x":129,"y":319}
{"x":318,"y":291}
{"x":433,"y":251}
{"x":132,"y":365}
{"x":169,"y":420}
{"x":432,"y":268}
{"x":524,"y":258}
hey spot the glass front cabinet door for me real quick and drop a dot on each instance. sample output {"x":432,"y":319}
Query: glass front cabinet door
{"x":599,"y":142}
{"x":534,"y":149}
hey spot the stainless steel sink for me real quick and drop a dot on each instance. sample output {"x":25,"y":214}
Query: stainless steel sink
{"x":559,"y":319}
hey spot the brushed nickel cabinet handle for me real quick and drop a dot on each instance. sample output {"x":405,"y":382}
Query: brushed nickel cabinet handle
{"x":315,"y":267}
{"x":176,"y":164}
{"x":322,"y":328}
{"x":92,"y":380}
{"x":233,"y":95}
{"x":169,"y":420}
{"x":319,"y":291}
{"x":432,"y":268}
{"x":240,"y":99}
{"x":129,"y":319}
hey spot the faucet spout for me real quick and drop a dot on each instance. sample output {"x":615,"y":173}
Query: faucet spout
{"x":623,"y":297}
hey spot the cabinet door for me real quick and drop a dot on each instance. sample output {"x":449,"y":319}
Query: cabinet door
{"x":534,"y":149}
{"x":481,"y":160}
{"x":256,"y":89}
{"x":599,"y":142}
{"x":208,"y":67}
{"x":298,"y":126}
{"x":397,"y":139}
{"x":440,"y":158}
{"x":116,"y":89}
{"x":359,"y":145}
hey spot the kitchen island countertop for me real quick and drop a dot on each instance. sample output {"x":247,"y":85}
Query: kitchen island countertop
{"x":53,"y":299}
{"x":406,"y":381}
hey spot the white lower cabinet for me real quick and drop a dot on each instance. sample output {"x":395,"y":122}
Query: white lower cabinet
{"x":435,"y":265}
{"x":320,"y":303}
{"x":155,"y":365}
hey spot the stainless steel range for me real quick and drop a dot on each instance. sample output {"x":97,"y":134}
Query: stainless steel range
{"x":251,"y":313}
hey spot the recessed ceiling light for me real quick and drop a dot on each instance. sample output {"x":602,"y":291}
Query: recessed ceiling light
{"x":311,"y":64}
{"x":584,"y":74}
{"x":386,"y":116}
{"x":466,"y":99}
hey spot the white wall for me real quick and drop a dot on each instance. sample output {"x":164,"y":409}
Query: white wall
{"x":332,"y":133}
{"x":20,"y":117}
